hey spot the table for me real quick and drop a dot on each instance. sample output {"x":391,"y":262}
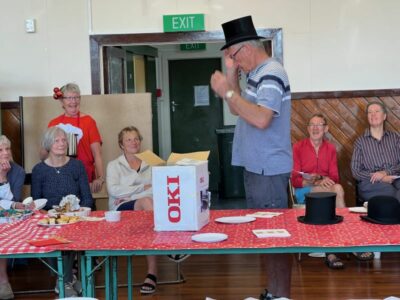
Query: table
{"x":134,"y":235}
{"x":14,"y":237}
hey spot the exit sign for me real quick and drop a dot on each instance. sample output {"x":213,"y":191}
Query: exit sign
{"x":193,"y":47}
{"x":179,"y":23}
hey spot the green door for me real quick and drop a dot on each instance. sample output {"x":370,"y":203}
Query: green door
{"x":195,"y":110}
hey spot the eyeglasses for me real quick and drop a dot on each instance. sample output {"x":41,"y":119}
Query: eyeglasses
{"x":374,"y":111}
{"x":316,"y":125}
{"x":72,"y":98}
{"x":233,"y":56}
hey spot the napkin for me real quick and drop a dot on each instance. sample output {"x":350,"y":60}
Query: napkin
{"x":264,"y":214}
{"x":54,"y":240}
{"x":265,"y":233}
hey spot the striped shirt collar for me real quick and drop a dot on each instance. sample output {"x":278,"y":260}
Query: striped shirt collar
{"x":367,"y":133}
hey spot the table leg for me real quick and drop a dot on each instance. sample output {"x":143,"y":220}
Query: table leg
{"x":60,"y":275}
{"x":115,"y":277}
{"x":83,"y":274}
{"x":129,"y":259}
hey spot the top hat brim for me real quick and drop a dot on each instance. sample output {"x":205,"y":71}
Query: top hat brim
{"x":336,"y":220}
{"x":371,"y":220}
{"x":241,"y":39}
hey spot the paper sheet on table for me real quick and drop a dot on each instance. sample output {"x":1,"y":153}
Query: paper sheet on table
{"x":264,"y":214}
{"x":266,"y":233}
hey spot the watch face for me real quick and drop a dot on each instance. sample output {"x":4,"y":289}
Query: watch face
{"x":229,"y":94}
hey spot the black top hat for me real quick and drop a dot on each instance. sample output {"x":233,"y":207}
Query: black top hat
{"x":239,"y":30}
{"x":383,"y":210}
{"x":320,"y":209}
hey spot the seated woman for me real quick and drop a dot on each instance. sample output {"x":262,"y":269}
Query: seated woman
{"x":375,"y":163}
{"x":316,"y":159}
{"x":12,"y":177}
{"x":58,"y":176}
{"x":129,"y":188}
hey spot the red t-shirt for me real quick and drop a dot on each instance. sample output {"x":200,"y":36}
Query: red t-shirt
{"x":305,"y":159}
{"x":86,"y":129}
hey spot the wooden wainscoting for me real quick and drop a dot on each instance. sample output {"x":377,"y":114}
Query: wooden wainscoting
{"x":346,"y":116}
{"x":344,"y":110}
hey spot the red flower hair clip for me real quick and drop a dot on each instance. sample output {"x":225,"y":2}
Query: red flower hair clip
{"x":58,"y":94}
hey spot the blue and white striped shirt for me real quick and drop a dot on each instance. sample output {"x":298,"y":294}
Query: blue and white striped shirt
{"x":266,"y":151}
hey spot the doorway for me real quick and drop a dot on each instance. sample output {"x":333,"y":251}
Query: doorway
{"x":195,"y":111}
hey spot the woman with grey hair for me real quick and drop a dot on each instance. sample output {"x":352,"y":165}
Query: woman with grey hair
{"x":85,"y":139}
{"x":58,"y":176}
{"x":12,"y":178}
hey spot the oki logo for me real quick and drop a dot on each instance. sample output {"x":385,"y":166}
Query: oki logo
{"x":174,"y":199}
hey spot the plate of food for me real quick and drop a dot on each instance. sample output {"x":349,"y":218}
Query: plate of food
{"x":13,"y":215}
{"x":58,"y":221}
{"x":235,"y":219}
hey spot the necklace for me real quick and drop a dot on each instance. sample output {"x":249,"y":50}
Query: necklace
{"x":58,"y":170}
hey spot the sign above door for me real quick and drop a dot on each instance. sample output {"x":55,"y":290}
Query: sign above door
{"x":180,"y":23}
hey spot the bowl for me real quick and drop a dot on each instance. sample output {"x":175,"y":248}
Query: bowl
{"x":112,"y":216}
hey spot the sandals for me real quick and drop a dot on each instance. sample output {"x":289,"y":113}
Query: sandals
{"x":364,"y":256}
{"x":147,"y":287}
{"x":333,"y":262}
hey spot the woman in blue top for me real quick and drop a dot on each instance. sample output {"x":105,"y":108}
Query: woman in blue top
{"x":56,"y":177}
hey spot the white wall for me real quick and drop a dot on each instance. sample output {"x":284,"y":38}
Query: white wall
{"x":328,"y":45}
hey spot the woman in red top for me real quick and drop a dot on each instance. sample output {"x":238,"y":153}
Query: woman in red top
{"x":84,"y":128}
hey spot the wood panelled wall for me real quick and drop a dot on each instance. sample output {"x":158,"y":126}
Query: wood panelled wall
{"x":347,"y":119}
{"x":344,"y":111}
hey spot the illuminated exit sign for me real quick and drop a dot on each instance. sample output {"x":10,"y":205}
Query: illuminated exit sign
{"x":179,"y":23}
{"x":193,"y":47}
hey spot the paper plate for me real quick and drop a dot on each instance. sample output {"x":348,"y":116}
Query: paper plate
{"x":209,"y":237}
{"x":235,"y":220}
{"x":358,"y":209}
{"x":40,"y":203}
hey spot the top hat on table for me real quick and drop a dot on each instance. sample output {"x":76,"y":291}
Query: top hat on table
{"x":383,"y":210}
{"x":320,"y":209}
{"x":239,"y":30}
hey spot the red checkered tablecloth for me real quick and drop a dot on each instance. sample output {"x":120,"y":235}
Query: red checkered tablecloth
{"x":135,"y":231}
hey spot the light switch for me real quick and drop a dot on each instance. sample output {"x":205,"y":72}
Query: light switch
{"x":30,"y":25}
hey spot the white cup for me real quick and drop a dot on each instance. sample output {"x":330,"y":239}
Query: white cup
{"x":113,"y":216}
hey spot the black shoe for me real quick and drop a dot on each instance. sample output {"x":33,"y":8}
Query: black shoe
{"x":267,"y":296}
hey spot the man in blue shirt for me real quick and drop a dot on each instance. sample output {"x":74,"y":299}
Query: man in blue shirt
{"x":262,"y":143}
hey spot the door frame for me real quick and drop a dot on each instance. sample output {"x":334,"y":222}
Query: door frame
{"x":97,"y":42}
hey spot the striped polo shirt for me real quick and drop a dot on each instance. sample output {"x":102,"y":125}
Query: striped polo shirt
{"x":371,"y":155}
{"x":266,"y":151}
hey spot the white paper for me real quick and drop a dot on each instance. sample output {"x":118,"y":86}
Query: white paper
{"x":201,"y":95}
{"x":264,"y":214}
{"x":265,"y":233}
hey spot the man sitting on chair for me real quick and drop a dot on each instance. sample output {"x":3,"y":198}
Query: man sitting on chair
{"x":315,"y":170}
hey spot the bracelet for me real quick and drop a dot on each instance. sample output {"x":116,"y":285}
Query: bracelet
{"x":101,"y":178}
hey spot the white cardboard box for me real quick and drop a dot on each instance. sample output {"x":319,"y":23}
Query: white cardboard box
{"x":180,"y":193}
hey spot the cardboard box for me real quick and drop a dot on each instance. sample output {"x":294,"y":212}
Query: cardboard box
{"x":180,"y":191}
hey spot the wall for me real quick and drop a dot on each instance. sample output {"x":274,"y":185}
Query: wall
{"x":328,"y":45}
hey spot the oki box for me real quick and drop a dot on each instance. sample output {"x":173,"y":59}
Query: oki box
{"x":180,"y":192}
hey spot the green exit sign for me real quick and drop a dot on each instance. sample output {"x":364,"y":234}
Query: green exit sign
{"x":179,"y":23}
{"x":193,"y":47}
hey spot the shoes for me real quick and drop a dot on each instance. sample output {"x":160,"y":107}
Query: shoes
{"x":147,"y":287}
{"x":6,"y":291}
{"x":364,"y":256}
{"x":178,"y":257}
{"x":333,"y":262}
{"x":71,"y":289}
{"x":267,"y":296}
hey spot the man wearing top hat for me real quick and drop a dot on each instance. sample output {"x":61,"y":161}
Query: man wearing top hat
{"x":262,"y":143}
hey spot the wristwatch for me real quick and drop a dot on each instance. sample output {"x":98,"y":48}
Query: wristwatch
{"x":229,"y":94}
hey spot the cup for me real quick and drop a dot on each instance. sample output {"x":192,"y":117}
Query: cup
{"x":113,"y":216}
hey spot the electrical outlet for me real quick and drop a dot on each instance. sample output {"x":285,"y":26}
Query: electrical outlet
{"x":30,"y":25}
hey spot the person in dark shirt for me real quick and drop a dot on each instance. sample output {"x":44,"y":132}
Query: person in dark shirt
{"x":54,"y":178}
